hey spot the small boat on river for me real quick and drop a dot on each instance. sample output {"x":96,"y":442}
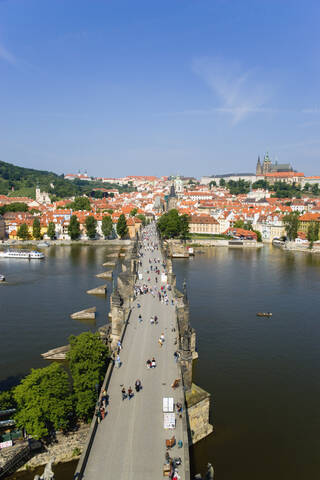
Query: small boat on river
{"x":2,"y":278}
{"x":264,"y":314}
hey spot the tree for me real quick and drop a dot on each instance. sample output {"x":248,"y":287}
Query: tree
{"x":238,"y":187}
{"x":7,"y":400}
{"x":110,"y":211}
{"x":51,"y":232}
{"x":107,"y":225}
{"x":315,"y":189}
{"x":184,"y":226}
{"x":259,"y":236}
{"x":36,"y":229}
{"x":91,"y":226}
{"x":313,"y":233}
{"x":213,"y":183}
{"x":97,"y":194}
{"x":87,"y":362}
{"x":23,"y":232}
{"x":291,"y":224}
{"x":44,"y":401}
{"x":172,"y":225}
{"x":261,"y":184}
{"x":80,"y":203}
{"x":122,"y":228}
{"x":222,"y":182}
{"x":133,"y":212}
{"x":74,"y":228}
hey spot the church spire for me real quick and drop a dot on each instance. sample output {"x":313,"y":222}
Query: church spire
{"x":259,"y":167}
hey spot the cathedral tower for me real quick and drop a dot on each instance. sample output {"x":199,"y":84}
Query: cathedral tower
{"x":259,"y":167}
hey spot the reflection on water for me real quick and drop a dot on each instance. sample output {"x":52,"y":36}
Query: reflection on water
{"x":262,"y":373}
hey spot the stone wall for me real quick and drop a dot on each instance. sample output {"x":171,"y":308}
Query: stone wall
{"x":198,"y":409}
{"x":63,"y":450}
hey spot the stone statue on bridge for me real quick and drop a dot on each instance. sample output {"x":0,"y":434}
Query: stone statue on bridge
{"x":48,"y":472}
{"x":210,"y":472}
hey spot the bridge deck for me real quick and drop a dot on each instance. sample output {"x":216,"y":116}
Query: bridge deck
{"x":130,"y":441}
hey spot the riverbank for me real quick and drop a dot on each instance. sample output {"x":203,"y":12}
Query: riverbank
{"x":63,"y":243}
{"x":224,"y":243}
{"x":66,"y":448}
{"x":300,"y":247}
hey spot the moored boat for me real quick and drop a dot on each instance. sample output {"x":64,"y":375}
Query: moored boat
{"x":2,"y":278}
{"x":264,"y":314}
{"x":27,"y":254}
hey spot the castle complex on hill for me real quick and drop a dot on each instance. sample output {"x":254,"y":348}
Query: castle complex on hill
{"x":268,"y":167}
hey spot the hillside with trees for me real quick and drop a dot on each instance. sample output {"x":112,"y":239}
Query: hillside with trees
{"x":21,"y":182}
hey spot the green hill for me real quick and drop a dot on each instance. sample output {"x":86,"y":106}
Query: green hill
{"x":19,"y":182}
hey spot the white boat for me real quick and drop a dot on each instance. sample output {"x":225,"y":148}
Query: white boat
{"x":2,"y":278}
{"x":28,"y":254}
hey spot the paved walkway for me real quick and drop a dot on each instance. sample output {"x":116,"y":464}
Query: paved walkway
{"x":130,"y":441}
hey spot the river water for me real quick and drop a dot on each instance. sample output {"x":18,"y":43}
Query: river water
{"x":263,"y":374}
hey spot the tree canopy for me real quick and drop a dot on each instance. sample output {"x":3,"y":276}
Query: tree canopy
{"x":80,"y":203}
{"x":91,"y":226}
{"x":87,"y":362}
{"x":291,"y":224}
{"x":14,"y":207}
{"x":7,"y":400}
{"x":23,"y":232}
{"x":286,"y":190}
{"x":133,"y":212}
{"x":74,"y":228}
{"x":36,"y":229}
{"x":122,"y":228}
{"x":107,"y":225}
{"x":173,"y":225}
{"x":313,"y":233}
{"x":44,"y":401}
{"x":51,"y":232}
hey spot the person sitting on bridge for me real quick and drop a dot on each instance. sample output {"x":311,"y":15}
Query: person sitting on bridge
{"x":153,"y":363}
{"x":130,"y":393}
{"x":148,"y":363}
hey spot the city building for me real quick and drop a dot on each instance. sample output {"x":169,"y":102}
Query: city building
{"x":268,"y":167}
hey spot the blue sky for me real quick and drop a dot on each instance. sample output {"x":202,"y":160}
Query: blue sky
{"x":154,"y":87}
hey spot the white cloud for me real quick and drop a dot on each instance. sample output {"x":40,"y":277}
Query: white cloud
{"x":6,"y":55}
{"x":238,"y":90}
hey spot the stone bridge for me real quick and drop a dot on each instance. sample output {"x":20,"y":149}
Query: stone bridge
{"x":130,"y":443}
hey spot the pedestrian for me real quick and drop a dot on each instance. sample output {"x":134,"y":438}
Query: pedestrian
{"x":138,"y":385}
{"x":123,"y":392}
{"x":151,"y":320}
{"x":118,"y":361}
{"x":153,"y":363}
{"x":98,"y":414}
{"x":130,"y":393}
{"x":148,"y":362}
{"x":119,"y":344}
{"x":140,"y":318}
{"x":176,"y":356}
{"x":102,"y":411}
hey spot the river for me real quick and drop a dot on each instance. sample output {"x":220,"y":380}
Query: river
{"x":262,"y":373}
